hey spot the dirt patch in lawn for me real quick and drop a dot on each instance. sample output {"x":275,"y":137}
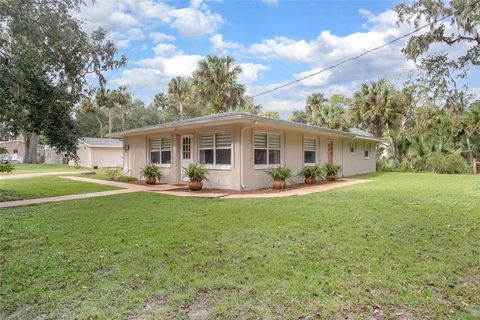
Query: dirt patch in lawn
{"x":256,"y":191}
{"x":150,"y":308}
{"x":199,"y":308}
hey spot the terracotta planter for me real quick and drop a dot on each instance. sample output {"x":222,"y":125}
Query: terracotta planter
{"x":310,"y":180}
{"x":278,"y":184}
{"x":150,"y":180}
{"x":195,"y":185}
{"x":331,"y":177}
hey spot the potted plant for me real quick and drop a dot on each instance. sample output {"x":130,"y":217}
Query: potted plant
{"x":197,"y":174}
{"x":311,"y":173}
{"x":151,"y":174}
{"x":279,"y":176}
{"x":331,"y":170}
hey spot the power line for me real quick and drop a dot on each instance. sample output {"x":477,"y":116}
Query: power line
{"x":362,"y":54}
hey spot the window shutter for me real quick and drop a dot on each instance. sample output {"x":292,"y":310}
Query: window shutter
{"x":274,"y":141}
{"x":260,"y":140}
{"x":166,"y":144}
{"x":223,"y":140}
{"x":206,"y":141}
{"x":309,"y":144}
{"x":155,"y":145}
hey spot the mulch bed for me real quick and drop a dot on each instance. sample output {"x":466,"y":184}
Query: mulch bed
{"x":256,"y":191}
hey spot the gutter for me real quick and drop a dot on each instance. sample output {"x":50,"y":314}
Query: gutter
{"x":242,"y":185}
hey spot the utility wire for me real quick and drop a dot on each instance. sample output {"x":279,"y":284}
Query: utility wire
{"x":362,"y":54}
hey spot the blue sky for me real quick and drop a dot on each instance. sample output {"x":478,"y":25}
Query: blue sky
{"x":273,"y":41}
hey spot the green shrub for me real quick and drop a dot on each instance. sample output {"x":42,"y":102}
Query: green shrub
{"x":405,"y":166}
{"x":127,"y":179}
{"x":113,"y":174}
{"x":195,"y":172}
{"x":279,"y":173}
{"x":447,"y":163}
{"x":332,"y":169}
{"x":151,"y":171}
{"x":316,"y":172}
{"x":6,"y":168}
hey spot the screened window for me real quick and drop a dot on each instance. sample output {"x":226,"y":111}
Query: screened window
{"x":367,"y":150}
{"x":161,"y":151}
{"x":216,"y":149}
{"x":15,"y":151}
{"x":353,"y":147}
{"x":267,"y":149}
{"x":309,"y":148}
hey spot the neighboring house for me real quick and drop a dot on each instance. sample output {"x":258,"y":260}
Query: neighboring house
{"x":16,"y":151}
{"x":237,"y":148}
{"x":52,"y":157}
{"x":99,"y":153}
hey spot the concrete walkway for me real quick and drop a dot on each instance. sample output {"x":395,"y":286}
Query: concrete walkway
{"x":299,"y":191}
{"x":168,"y":190}
{"x":38,"y":174}
{"x":17,"y":203}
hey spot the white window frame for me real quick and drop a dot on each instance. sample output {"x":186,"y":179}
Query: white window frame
{"x":366,"y":148}
{"x":160,"y":165}
{"x":267,"y":166}
{"x":215,"y":166}
{"x":315,"y":151}
{"x":354,"y":143}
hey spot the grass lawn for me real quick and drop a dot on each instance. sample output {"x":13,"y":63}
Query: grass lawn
{"x":36,"y":168}
{"x":48,"y":186}
{"x":405,"y":245}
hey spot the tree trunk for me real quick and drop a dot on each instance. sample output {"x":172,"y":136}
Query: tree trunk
{"x":110,"y":116}
{"x":470,"y":153}
{"x":181,"y":110}
{"x":31,"y":144}
{"x":101,"y":126}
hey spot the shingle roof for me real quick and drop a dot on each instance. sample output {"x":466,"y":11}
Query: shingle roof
{"x":237,"y":116}
{"x":360,"y":132}
{"x":101,"y":142}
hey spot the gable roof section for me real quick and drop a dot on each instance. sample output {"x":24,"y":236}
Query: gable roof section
{"x":231,"y":116}
{"x":101,"y":142}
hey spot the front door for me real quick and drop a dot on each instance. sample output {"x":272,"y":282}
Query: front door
{"x":186,"y":156}
{"x":330,"y":152}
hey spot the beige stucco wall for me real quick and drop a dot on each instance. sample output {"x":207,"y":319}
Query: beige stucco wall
{"x":102,"y":157}
{"x":253,"y":178}
{"x":20,"y":147}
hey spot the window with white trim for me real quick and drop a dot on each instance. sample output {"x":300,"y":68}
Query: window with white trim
{"x":353,"y":147}
{"x":216,"y":149}
{"x":161,"y":151}
{"x":367,"y":150}
{"x":266,"y":149}
{"x":309,"y":150}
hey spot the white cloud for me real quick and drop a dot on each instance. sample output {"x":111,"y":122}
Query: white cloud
{"x":196,"y":20}
{"x":222,"y":47}
{"x":161,"y":37}
{"x":127,"y":19}
{"x":251,"y":71}
{"x":166,"y":50}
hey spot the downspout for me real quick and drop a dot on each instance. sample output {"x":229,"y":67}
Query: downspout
{"x":242,"y":185}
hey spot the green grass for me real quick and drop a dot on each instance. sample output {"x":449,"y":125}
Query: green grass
{"x":409,"y":243}
{"x":37,"y":168}
{"x":48,"y":186}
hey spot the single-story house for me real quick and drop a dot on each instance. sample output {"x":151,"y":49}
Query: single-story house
{"x":237,"y":148}
{"x":53,"y":157}
{"x":16,"y":151}
{"x":99,"y":153}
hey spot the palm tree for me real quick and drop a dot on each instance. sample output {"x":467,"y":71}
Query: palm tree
{"x":104,"y":100}
{"x":377,"y":107}
{"x":215,"y":84}
{"x":332,"y":117}
{"x":315,"y":102}
{"x":178,"y":90}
